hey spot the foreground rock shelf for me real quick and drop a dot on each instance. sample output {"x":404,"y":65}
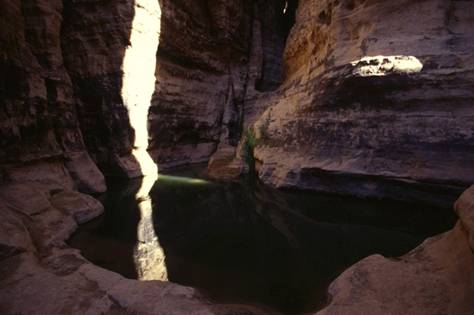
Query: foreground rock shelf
{"x":40,"y":274}
{"x":435,"y":278}
{"x":244,"y":242}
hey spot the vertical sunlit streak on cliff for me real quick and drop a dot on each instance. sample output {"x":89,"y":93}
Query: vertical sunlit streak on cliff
{"x":138,"y":85}
{"x":138,"y":82}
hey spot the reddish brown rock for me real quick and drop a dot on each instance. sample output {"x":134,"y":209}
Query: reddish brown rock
{"x":371,"y":98}
{"x":38,"y":119}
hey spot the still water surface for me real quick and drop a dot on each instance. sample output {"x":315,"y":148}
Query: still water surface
{"x":242,"y":242}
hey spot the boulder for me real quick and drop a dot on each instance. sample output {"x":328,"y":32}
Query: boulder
{"x":78,"y":205}
{"x":437,"y":277}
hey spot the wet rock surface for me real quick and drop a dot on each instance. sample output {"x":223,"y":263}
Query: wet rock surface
{"x":37,"y":264}
{"x":435,"y":278}
{"x":40,"y":274}
{"x":242,"y":242}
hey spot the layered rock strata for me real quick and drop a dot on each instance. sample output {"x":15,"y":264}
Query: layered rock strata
{"x":377,"y":98}
{"x":82,"y":60}
{"x":204,"y":71}
{"x":373,"y":95}
{"x":39,"y":126}
{"x":76,"y":84}
{"x":372,"y":98}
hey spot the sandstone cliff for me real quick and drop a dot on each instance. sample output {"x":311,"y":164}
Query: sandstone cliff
{"x":64,"y":94}
{"x":377,"y":97}
{"x":368,"y":98}
{"x":360,"y":97}
{"x":206,"y":69}
{"x":68,"y":96}
{"x":39,"y":126}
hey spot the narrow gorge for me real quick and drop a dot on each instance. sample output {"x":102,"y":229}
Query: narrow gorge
{"x":237,"y":157}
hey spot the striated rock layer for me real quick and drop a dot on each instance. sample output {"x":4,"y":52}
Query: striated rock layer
{"x":39,"y":126}
{"x":377,"y":98}
{"x":69,"y":94}
{"x":203,"y":72}
{"x":371,"y":98}
{"x":77,"y":75}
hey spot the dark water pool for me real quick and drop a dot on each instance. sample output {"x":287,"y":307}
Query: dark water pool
{"x":243,"y":242}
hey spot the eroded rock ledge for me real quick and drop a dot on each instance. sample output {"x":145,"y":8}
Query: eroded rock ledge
{"x":377,"y":101}
{"x":40,"y":274}
{"x":437,"y":277}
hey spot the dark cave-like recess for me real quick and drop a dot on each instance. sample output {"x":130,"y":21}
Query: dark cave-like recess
{"x":277,"y":19}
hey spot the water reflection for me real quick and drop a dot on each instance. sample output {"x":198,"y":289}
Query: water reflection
{"x":242,"y":242}
{"x":149,"y":256}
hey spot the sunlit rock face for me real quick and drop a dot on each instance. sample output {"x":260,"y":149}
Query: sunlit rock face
{"x":110,"y":50}
{"x":138,"y":81}
{"x":376,"y":96}
{"x":76,"y":83}
{"x":149,"y":256}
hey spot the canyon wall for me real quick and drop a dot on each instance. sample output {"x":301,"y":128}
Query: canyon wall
{"x":110,"y":50}
{"x":201,"y":76}
{"x":64,"y":104}
{"x":357,"y":97}
{"x":64,"y":89}
{"x":211,"y":55}
{"x":39,"y":128}
{"x":360,"y":97}
{"x":377,"y":98}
